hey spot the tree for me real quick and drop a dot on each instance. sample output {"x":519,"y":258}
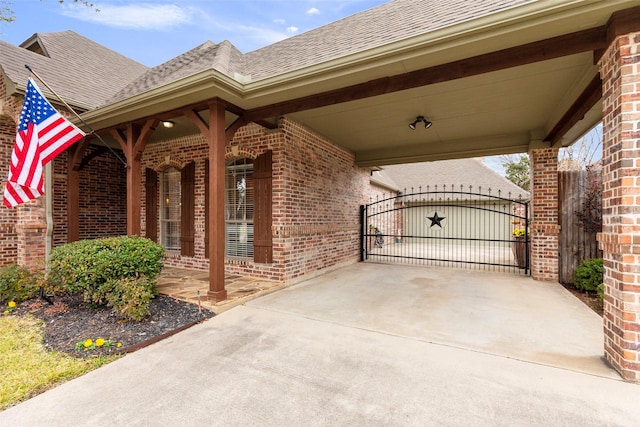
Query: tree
{"x":583,"y":153}
{"x":590,"y":215}
{"x":6,"y":12}
{"x":7,"y":15}
{"x":517,"y":170}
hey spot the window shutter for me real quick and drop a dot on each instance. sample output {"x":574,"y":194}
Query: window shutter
{"x":262,"y":239}
{"x":151,"y":186}
{"x":187,"y":199}
{"x":206,"y":208}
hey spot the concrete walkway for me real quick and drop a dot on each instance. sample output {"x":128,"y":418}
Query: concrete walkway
{"x":366,"y":345}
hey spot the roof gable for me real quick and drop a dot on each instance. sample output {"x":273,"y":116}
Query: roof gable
{"x":34,"y":44}
{"x":223,"y":57}
{"x":80,"y":70}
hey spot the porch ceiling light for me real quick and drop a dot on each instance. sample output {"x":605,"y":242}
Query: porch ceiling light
{"x":168,"y":123}
{"x":427,"y":123}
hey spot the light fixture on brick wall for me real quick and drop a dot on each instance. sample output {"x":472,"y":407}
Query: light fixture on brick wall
{"x":168,"y":123}
{"x":427,"y":123}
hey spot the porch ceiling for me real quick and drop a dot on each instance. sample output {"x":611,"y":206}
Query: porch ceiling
{"x":494,"y":113}
{"x":488,"y":87}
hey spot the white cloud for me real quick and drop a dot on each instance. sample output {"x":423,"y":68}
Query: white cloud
{"x":292,"y":30}
{"x":239,"y":33}
{"x":279,"y":21}
{"x":313,"y":11}
{"x":145,"y":16}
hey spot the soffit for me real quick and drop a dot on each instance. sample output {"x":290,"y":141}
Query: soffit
{"x":492,"y":113}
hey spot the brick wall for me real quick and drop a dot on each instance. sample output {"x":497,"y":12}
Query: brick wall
{"x":544,"y":214}
{"x":103,"y":190}
{"x":8,"y":236}
{"x":317,"y":192}
{"x":319,"y":204}
{"x":620,"y":237}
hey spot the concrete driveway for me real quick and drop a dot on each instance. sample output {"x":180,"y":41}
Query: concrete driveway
{"x":364,"y":345}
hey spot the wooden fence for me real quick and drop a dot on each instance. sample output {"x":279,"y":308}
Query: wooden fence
{"x":575,"y":244}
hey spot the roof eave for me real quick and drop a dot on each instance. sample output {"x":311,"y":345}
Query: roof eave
{"x":14,"y":89}
{"x":193,"y":89}
{"x":508,"y":28}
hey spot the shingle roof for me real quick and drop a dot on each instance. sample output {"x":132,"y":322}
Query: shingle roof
{"x":382,"y":179}
{"x":393,"y":21}
{"x":223,"y":57}
{"x":452,"y":173}
{"x":78,"y":69}
{"x":390,"y":22}
{"x":94,"y":75}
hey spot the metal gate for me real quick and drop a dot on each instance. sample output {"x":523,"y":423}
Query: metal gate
{"x":454,"y":226}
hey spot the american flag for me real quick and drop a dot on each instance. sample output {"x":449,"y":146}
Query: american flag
{"x":42,"y":134}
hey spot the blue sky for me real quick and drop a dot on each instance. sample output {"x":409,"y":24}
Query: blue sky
{"x":155,"y":31}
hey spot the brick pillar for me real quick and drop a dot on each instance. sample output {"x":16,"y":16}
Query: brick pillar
{"x":620,"y":237}
{"x":544,"y":214}
{"x":31,"y":231}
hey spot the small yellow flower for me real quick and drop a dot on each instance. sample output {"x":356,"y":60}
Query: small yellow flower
{"x":88,"y":343}
{"x":119,"y":345}
{"x":6,"y":312}
{"x":99,"y":342}
{"x":12,"y":304}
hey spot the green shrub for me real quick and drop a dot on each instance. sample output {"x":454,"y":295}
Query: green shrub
{"x":589,"y":275}
{"x":94,"y":267}
{"x":131,"y":296}
{"x":18,"y":283}
{"x":600,"y":292}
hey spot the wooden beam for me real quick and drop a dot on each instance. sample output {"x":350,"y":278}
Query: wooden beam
{"x":95,"y":153}
{"x":216,"y":140}
{"x":75,"y":154}
{"x":556,"y":47}
{"x":197,"y":120}
{"x":623,"y":22}
{"x":233,"y":128}
{"x":587,"y":99}
{"x":120,"y":137}
{"x":133,"y":141}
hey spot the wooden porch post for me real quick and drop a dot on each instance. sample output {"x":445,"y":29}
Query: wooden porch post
{"x":216,"y":141}
{"x":75,"y":154}
{"x":133,"y":143}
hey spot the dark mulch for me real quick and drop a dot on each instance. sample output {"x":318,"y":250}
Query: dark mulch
{"x":591,"y":299}
{"x":69,"y":321}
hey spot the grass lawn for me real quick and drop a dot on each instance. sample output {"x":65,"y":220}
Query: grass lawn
{"x":27,"y":368}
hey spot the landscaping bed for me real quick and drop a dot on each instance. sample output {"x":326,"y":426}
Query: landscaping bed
{"x":69,"y":321}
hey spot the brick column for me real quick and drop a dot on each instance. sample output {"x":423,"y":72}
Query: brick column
{"x":31,"y":231}
{"x":544,"y":214}
{"x":620,"y":237}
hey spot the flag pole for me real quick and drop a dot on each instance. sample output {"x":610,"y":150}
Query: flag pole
{"x":93,"y":132}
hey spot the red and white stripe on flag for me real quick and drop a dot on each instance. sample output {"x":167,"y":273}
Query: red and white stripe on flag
{"x":43,"y":133}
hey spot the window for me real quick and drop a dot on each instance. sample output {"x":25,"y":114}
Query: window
{"x":239,"y":200}
{"x":171,"y":206}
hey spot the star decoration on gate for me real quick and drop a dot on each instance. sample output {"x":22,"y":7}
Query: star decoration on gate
{"x":436,"y":220}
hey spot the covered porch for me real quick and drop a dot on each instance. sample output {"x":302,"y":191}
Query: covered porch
{"x":193,"y":285}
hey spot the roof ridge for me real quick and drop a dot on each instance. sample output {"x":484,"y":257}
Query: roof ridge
{"x":204,"y":56}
